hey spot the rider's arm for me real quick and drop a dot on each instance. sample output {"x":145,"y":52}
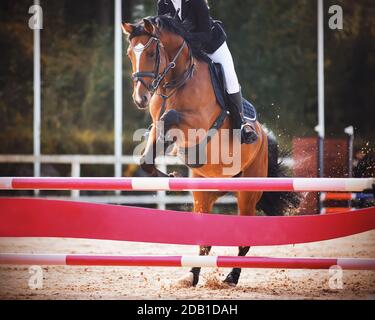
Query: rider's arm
{"x":203,"y":16}
{"x":202,"y":25}
{"x":162,"y":8}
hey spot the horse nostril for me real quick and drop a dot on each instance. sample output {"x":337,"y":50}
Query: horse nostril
{"x":145,"y":99}
{"x":141,"y":101}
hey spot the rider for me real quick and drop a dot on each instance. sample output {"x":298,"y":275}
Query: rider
{"x":213,"y":37}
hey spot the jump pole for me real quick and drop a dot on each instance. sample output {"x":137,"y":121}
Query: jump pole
{"x":190,"y":184}
{"x":187,"y":261}
{"x":345,"y":196}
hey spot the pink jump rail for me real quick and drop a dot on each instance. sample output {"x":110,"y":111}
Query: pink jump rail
{"x":187,"y":261}
{"x":190,"y":184}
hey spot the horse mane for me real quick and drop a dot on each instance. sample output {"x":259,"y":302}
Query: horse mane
{"x":170,"y":24}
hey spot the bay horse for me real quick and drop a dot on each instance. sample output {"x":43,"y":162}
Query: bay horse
{"x":173,"y":80}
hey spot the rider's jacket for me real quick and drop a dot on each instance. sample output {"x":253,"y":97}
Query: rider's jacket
{"x":196,"y":13}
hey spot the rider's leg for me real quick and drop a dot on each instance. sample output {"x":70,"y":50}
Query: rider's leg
{"x":224,"y":57}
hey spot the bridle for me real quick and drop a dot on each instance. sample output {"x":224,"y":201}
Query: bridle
{"x":158,"y":76}
{"x":139,"y":76}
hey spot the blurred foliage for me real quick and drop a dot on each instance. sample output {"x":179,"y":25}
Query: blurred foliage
{"x":273,"y":43}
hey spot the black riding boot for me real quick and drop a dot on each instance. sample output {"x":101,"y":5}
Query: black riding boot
{"x":248,"y":132}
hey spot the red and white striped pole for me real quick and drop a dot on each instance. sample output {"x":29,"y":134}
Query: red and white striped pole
{"x":190,"y":184}
{"x":187,"y":261}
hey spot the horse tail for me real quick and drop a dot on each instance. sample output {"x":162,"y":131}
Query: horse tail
{"x":276,"y":203}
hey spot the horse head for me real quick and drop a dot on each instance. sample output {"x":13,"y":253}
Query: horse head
{"x":155,"y":46}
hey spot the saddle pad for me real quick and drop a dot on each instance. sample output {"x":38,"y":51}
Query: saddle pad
{"x":249,"y":110}
{"x":217,"y":78}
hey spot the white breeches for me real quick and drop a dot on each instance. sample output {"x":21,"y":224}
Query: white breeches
{"x":224,"y":57}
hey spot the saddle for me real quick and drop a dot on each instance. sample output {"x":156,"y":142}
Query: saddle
{"x":218,"y":83}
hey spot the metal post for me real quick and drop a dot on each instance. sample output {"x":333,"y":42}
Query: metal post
{"x":321,"y":107}
{"x":321,"y":102}
{"x":76,"y":172}
{"x":161,"y":195}
{"x":350,"y":132}
{"x":37,"y":100}
{"x":118,"y":89}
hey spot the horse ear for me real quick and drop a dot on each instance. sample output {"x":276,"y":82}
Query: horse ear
{"x":149,"y":27}
{"x":127,"y":28}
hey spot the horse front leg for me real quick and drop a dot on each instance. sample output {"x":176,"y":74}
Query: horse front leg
{"x":192,"y":278}
{"x":233,"y":277}
{"x":158,"y":142}
{"x":153,"y":149}
{"x":203,"y":203}
{"x":247,"y":207}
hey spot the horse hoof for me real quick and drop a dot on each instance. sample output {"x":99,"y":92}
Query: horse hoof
{"x":231,"y":280}
{"x":186,"y":281}
{"x":228,"y":284}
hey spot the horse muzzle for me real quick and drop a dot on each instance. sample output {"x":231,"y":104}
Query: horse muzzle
{"x":142,"y":101}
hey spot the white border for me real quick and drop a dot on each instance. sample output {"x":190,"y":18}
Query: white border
{"x":150,"y":184}
{"x":33,"y":259}
{"x":199,"y":261}
{"x":6,"y":183}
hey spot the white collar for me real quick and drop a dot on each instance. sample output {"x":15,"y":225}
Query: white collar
{"x":178,"y":7}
